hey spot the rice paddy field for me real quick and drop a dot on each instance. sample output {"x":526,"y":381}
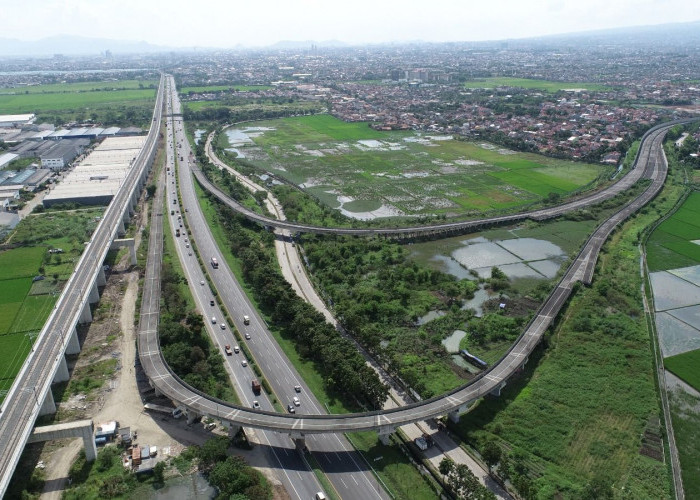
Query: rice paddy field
{"x":80,"y":87}
{"x":672,"y":243}
{"x":25,"y":304}
{"x":527,"y":83}
{"x":59,"y":101}
{"x":367,"y":173}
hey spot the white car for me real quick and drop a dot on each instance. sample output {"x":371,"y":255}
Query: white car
{"x":201,"y":282}
{"x":244,"y":363}
{"x":247,"y":336}
{"x":256,"y":405}
{"x":296,"y":401}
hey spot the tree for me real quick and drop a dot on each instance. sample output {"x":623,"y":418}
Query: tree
{"x":212,"y":451}
{"x":446,"y":466}
{"x":158,"y":473}
{"x":491,"y":453}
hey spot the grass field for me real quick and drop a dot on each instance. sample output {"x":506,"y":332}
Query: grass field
{"x":33,"y":313}
{"x":80,"y":87}
{"x":59,"y":101}
{"x":685,"y":413}
{"x":218,"y":88}
{"x":686,"y":366}
{"x":526,"y":83}
{"x":670,"y":246}
{"x":14,"y":348}
{"x":406,"y":172}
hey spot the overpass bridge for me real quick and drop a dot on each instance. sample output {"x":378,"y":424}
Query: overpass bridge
{"x":444,"y":229}
{"x":30,"y":396}
{"x":651,"y":164}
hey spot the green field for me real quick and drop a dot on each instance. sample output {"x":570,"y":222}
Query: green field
{"x":61,"y":101}
{"x":22,"y":262}
{"x":526,"y":83}
{"x":670,"y":245}
{"x":33,"y":313}
{"x":219,"y":88}
{"x":13,"y":351}
{"x":80,"y":87}
{"x":686,"y":366}
{"x":406,"y":172}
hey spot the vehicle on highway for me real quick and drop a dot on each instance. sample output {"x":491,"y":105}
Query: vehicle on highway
{"x":223,"y":326}
{"x":246,"y":320}
{"x":214,"y":263}
{"x":244,"y":363}
{"x":227,"y":348}
{"x":290,"y":409}
{"x":247,"y":336}
{"x":213,"y":320}
{"x":320,"y":496}
{"x":296,"y":401}
{"x":256,"y":405}
{"x":236,"y":349}
{"x":211,"y":302}
{"x":297,"y":388}
{"x":201,"y":282}
{"x":255,"y":385}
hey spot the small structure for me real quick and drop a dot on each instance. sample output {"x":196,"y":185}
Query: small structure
{"x":106,"y":430}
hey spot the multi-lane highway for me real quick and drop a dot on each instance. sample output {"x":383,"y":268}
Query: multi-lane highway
{"x":33,"y":383}
{"x":299,"y":481}
{"x":344,"y":467}
{"x":650,"y":164}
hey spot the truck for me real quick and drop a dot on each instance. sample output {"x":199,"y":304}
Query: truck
{"x":214,"y":263}
{"x":255,"y":386}
{"x":135,"y":456}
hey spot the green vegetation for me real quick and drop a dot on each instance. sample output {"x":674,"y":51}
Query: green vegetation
{"x":570,"y":427}
{"x":685,"y":414}
{"x":393,"y":466}
{"x":86,"y":379}
{"x":526,"y":83}
{"x":670,"y":246}
{"x":80,"y":87}
{"x":36,"y":103}
{"x":408,"y":171}
{"x":686,"y":366}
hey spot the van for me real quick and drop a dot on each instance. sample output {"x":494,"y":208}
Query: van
{"x":213,"y":320}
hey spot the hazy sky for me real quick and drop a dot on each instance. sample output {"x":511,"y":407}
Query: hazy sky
{"x":225,"y":23}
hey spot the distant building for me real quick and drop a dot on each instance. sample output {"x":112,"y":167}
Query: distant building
{"x":16,"y":120}
{"x":7,"y":158}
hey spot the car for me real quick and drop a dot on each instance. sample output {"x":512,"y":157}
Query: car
{"x":256,"y":405}
{"x":296,"y":401}
{"x":297,"y":388}
{"x":211,"y":302}
{"x":290,"y":409}
{"x":189,"y":253}
{"x":201,"y":282}
{"x":236,"y":349}
{"x":247,"y":336}
{"x":246,"y":320}
{"x":213,"y":320}
{"x":227,"y":348}
{"x":223,"y":326}
{"x":244,"y":363}
{"x":186,"y":210}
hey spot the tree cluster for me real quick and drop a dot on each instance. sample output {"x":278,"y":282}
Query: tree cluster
{"x":462,"y":481}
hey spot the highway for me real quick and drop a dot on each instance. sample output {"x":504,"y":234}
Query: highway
{"x":650,"y":164}
{"x":281,"y":455}
{"x":346,"y":470}
{"x":33,"y":383}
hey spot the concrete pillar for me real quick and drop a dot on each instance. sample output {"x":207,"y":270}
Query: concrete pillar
{"x":158,"y":393}
{"x":454,"y":414}
{"x":94,"y":297}
{"x":48,"y":407}
{"x":120,"y":230}
{"x":86,"y":315}
{"x":62,"y":372}
{"x":89,"y":444}
{"x":497,"y":391}
{"x":132,"y":254}
{"x":299,"y":440}
{"x":385,"y":435}
{"x":73,"y":346}
{"x":191,"y":417}
{"x":233,"y":430}
{"x":101,"y":278}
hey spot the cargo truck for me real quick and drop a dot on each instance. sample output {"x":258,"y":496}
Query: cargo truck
{"x":256,"y":386}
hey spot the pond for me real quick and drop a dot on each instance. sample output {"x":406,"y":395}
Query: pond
{"x":451,"y":343}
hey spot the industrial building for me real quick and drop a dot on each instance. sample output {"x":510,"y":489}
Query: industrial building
{"x":96,"y":179}
{"x":61,"y":154}
{"x":9,"y":121}
{"x":7,"y":158}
